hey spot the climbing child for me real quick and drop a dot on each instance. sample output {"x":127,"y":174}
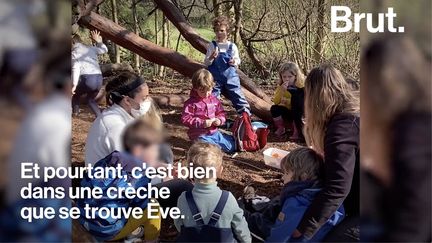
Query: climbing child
{"x":222,"y":59}
{"x":288,"y":100}
{"x":302,"y":182}
{"x":203,"y":113}
{"x":86,"y":73}
{"x":210,"y":214}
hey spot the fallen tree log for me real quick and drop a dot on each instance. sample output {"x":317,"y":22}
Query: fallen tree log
{"x":141,"y":46}
{"x":258,"y":107}
{"x":109,"y":69}
{"x":187,"y":31}
{"x":170,"y":100}
{"x":80,"y":9}
{"x":252,"y":87}
{"x":160,"y":55}
{"x":180,"y":22}
{"x":177,"y":18}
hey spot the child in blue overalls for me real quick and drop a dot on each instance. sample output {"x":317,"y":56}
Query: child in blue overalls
{"x":222,"y":58}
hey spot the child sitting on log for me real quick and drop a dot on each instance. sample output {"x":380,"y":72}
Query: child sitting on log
{"x":203,"y":113}
{"x":222,"y":58}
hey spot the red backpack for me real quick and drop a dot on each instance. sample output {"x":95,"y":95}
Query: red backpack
{"x":246,"y":138}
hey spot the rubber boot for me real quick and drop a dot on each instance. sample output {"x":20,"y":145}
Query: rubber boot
{"x":280,"y":126}
{"x":295,"y":135}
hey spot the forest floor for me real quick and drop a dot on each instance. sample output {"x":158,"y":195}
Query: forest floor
{"x":244,"y":169}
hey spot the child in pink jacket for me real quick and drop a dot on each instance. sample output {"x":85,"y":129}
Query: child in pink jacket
{"x":203,"y":113}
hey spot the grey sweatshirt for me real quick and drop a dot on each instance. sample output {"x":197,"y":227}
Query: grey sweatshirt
{"x":206,"y":197}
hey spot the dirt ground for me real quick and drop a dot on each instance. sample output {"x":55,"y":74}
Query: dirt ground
{"x":246,"y":168}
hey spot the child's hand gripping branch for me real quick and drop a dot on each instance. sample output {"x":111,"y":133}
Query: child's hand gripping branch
{"x":96,"y":37}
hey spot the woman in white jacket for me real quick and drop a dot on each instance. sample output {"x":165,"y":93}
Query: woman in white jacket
{"x":86,"y":73}
{"x":128,"y":95}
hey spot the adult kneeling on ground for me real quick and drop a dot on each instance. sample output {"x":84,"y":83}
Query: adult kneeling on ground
{"x":128,"y":96}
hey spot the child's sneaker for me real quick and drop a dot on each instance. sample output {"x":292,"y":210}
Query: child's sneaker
{"x":249,"y":192}
{"x":252,"y":201}
{"x":248,"y":195}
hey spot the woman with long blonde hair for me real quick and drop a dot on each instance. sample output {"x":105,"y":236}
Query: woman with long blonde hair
{"x":332,"y":129}
{"x":326,"y":93}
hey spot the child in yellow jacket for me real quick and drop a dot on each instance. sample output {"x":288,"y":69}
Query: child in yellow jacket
{"x":288,"y":100}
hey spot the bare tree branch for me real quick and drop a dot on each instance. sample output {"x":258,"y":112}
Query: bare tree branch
{"x":152,"y":11}
{"x":283,"y":35}
{"x":179,"y":20}
{"x":90,"y":6}
{"x":260,"y":21}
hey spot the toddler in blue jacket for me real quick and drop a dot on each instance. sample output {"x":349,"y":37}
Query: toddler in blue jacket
{"x":301,"y":175}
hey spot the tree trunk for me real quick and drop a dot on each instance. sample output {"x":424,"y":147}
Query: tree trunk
{"x":178,"y":19}
{"x":156,"y":29}
{"x":199,"y":43}
{"x":141,"y":46}
{"x":261,"y":69}
{"x":238,"y":15}
{"x":319,"y":40}
{"x":111,"y":50}
{"x":78,"y":7}
{"x":164,"y":42}
{"x":259,"y":108}
{"x":161,"y":56}
{"x":89,"y":7}
{"x":217,"y":8}
{"x":229,"y":10}
{"x":115,"y":19}
{"x":135,"y":27}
